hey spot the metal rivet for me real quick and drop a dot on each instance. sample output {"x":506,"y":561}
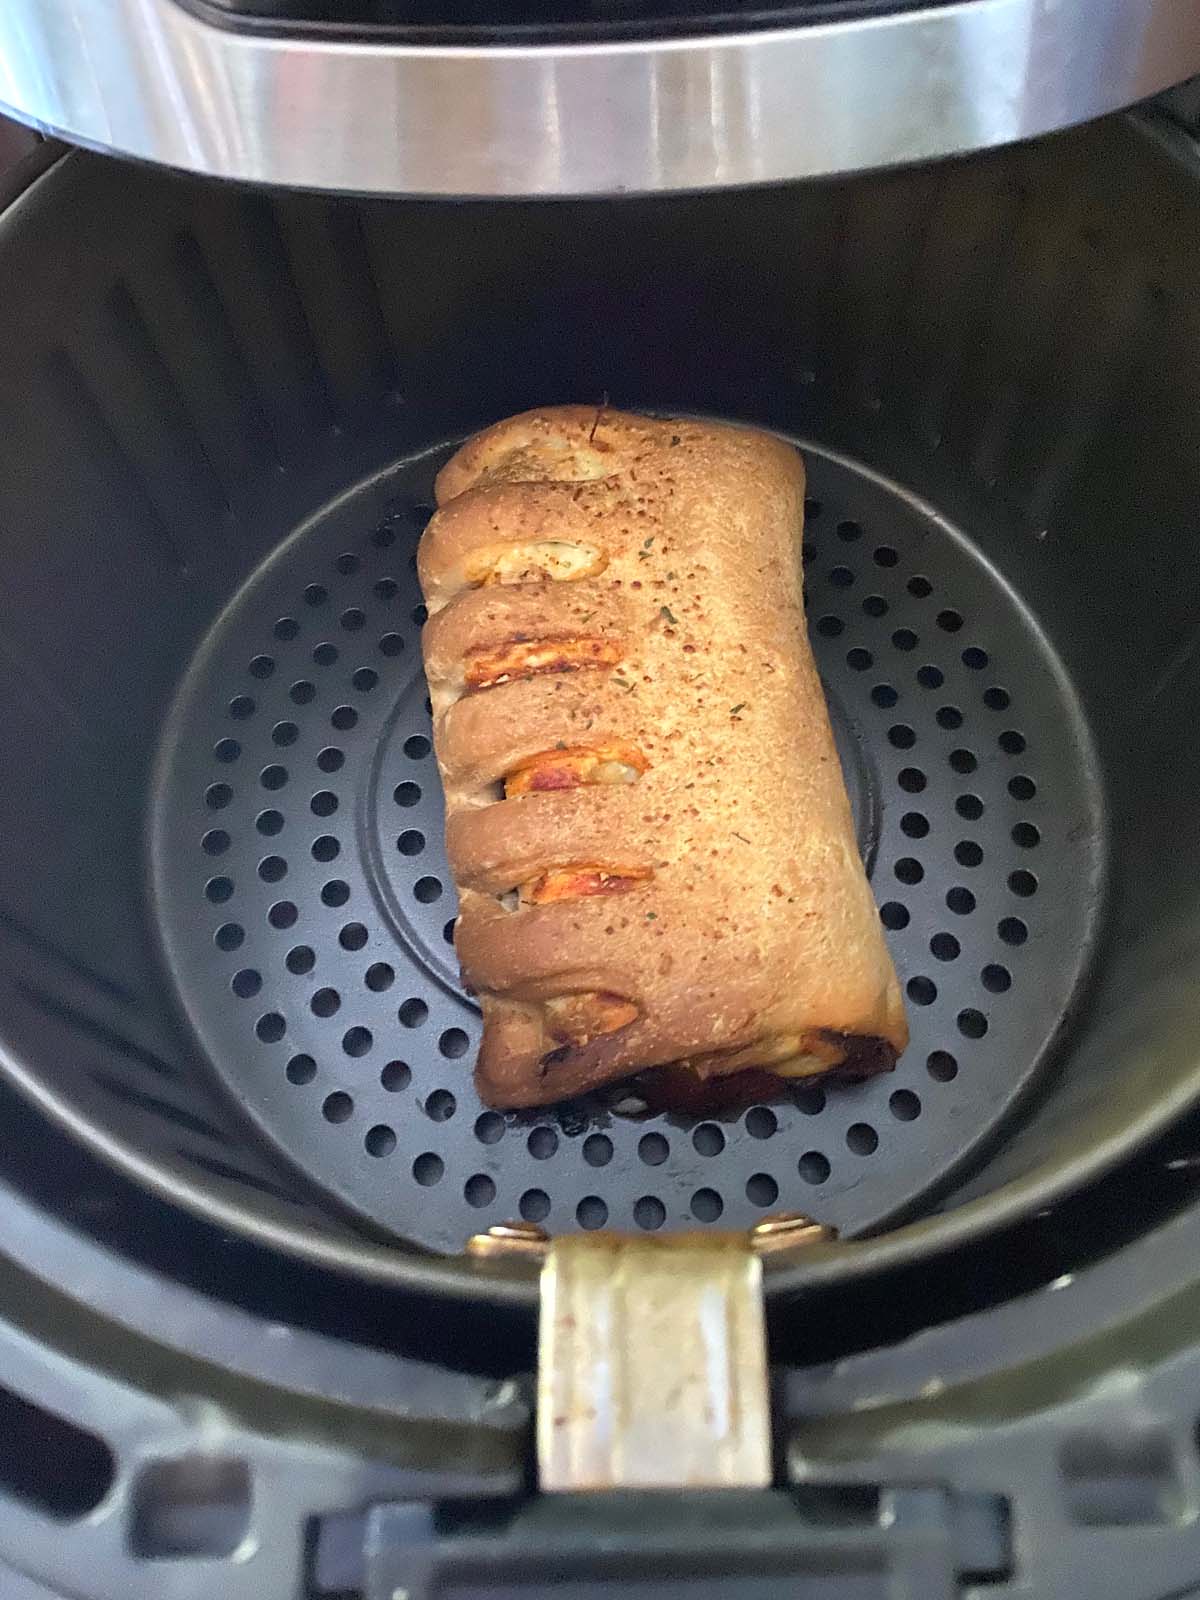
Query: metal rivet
{"x":506,"y":1239}
{"x":787,"y":1230}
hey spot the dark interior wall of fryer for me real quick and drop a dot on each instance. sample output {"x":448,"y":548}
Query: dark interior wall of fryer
{"x":189,"y":368}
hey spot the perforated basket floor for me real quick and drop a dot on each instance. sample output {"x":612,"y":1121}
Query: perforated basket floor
{"x":306,"y":908}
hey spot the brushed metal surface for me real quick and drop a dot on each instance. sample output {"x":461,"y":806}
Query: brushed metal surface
{"x":652,"y":1364}
{"x":148,"y":79}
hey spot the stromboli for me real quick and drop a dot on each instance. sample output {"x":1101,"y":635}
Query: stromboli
{"x":600,"y":582}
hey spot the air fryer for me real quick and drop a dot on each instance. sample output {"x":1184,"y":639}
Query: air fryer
{"x":226,"y":968}
{"x":228,"y":916}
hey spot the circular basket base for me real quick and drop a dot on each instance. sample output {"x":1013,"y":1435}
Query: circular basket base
{"x":307,"y":910}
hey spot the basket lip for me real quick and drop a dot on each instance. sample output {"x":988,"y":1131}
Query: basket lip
{"x":893,"y":86}
{"x":514,"y":1285}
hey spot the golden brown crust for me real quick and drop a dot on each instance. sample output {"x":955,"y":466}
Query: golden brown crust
{"x":540,"y":831}
{"x":558,"y":444}
{"x":756,"y":931}
{"x":459,"y":547}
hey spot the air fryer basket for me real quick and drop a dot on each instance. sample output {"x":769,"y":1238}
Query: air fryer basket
{"x":224,"y":909}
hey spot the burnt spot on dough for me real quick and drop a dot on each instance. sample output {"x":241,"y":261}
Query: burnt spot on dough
{"x":863,"y":1055}
{"x":677,"y":1088}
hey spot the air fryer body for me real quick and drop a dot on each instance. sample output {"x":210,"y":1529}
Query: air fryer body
{"x":245,"y":1150}
{"x":573,"y":97}
{"x":255,"y":1008}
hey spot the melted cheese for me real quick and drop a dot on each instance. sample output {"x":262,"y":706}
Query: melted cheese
{"x":578,"y":1018}
{"x":578,"y":882}
{"x":574,"y":766}
{"x":485,"y":667}
{"x":560,"y":560}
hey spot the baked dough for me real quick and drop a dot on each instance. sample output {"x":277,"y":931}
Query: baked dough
{"x":646,"y":816}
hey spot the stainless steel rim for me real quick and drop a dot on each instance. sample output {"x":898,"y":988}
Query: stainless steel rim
{"x":148,"y":79}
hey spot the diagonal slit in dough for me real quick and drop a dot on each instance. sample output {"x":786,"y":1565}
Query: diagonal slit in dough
{"x":486,"y":667}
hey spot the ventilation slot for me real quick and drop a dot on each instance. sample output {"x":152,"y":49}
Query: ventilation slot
{"x":840,"y":1505}
{"x":53,"y":1466}
{"x":192,"y":1506}
{"x":1120,"y":1482}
